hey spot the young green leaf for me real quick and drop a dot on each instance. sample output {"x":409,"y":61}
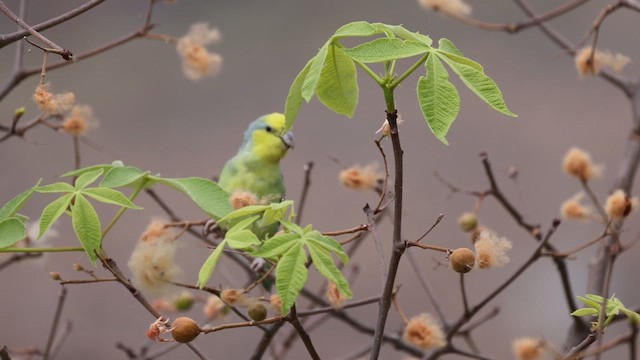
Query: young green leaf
{"x":446,"y":48}
{"x":328,"y":243}
{"x":242,"y":239}
{"x":294,"y":98}
{"x":481,"y":84}
{"x":591,"y":302}
{"x":243,"y":212}
{"x":122,"y":176}
{"x":205,"y":193}
{"x":276,"y":246}
{"x":110,"y":196}
{"x":88,"y":178}
{"x":405,"y":34}
{"x":243,"y":224}
{"x":78,"y":172}
{"x":87,"y":226}
{"x":323,"y":262}
{"x":59,"y":187}
{"x":12,"y":230}
{"x":338,"y":84}
{"x":53,"y":211}
{"x":438,"y":98}
{"x":315,"y":68}
{"x":275,"y":213}
{"x":585,"y":312}
{"x":386,"y":49}
{"x":14,"y":205}
{"x":291,"y":275}
{"x":292,"y":227}
{"x":632,"y":315}
{"x":210,"y":265}
{"x":356,"y":29}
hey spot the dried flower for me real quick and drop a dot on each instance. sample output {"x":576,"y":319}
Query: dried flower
{"x":241,"y":198}
{"x":619,"y":205}
{"x":79,"y":121}
{"x":197,"y":61}
{"x":157,"y":328}
{"x":424,"y":332}
{"x":453,"y":7}
{"x":213,"y":307}
{"x":578,"y":163}
{"x":276,"y":302}
{"x":335,"y":296}
{"x":360,"y":178}
{"x":572,"y":208}
{"x":491,"y":250}
{"x":462,"y":260}
{"x":601,"y":59}
{"x":152,"y":260}
{"x":52,"y":103}
{"x":527,"y":348}
{"x":234,"y":297}
{"x":385,"y":130}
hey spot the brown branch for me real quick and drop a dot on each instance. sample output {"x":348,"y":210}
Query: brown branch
{"x":595,"y":31}
{"x":271,"y":320}
{"x":292,"y":318}
{"x":54,"y":325}
{"x":373,"y":228}
{"x":6,"y":39}
{"x":428,"y":247}
{"x":305,"y":190}
{"x":518,"y":26}
{"x":431,"y":228}
{"x":355,"y":229}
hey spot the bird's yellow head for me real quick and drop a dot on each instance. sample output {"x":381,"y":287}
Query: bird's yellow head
{"x":266,"y":139}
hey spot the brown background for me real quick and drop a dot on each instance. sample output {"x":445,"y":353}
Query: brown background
{"x":152,"y":117}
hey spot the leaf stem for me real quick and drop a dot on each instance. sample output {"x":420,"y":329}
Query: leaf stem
{"x":370,"y":72}
{"x":123,"y":209}
{"x":392,"y":85}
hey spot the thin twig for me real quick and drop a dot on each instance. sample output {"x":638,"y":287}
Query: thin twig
{"x":440,"y":217}
{"x":465,"y":303}
{"x":292,"y":318}
{"x":305,"y":190}
{"x":425,"y":287}
{"x":62,"y":295}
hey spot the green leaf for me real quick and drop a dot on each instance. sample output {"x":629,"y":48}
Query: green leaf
{"x":323,"y":262}
{"x":205,"y":193}
{"x":276,"y":246}
{"x":338,"y":84}
{"x":291,"y":275}
{"x":597,"y":298}
{"x":590,"y":302}
{"x":12,"y":230}
{"x":292,"y":227}
{"x":59,"y":187}
{"x":14,"y":205}
{"x":122,"y":176}
{"x":87,"y":226}
{"x":88,"y":178}
{"x":328,"y":243}
{"x":242,"y":212}
{"x":310,"y":82}
{"x":585,"y":312}
{"x":405,"y":34}
{"x":356,"y":29}
{"x":78,"y":172}
{"x":242,"y":239}
{"x":446,"y":48}
{"x":294,"y":98}
{"x":438,"y":98}
{"x":53,"y":211}
{"x":481,"y":84}
{"x":632,"y":315}
{"x":386,"y":49}
{"x":243,"y":224}
{"x":275,"y":213}
{"x":210,"y":265}
{"x":110,"y":196}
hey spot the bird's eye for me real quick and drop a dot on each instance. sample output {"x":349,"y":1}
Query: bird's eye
{"x":268,"y":129}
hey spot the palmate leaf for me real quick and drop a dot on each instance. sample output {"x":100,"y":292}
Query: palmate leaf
{"x":294,"y":98}
{"x":210,"y":265}
{"x":291,"y":275}
{"x":386,"y":49}
{"x":110,"y":196}
{"x":78,"y":172}
{"x":328,"y":243}
{"x":59,"y":187}
{"x":438,"y":98}
{"x":276,"y":245}
{"x":12,"y":230}
{"x":87,"y":226}
{"x":205,"y":193}
{"x":88,"y":178}
{"x":14,"y":205}
{"x":122,"y":176}
{"x":310,"y":82}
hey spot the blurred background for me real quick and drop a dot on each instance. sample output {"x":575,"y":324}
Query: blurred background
{"x":151,"y":116}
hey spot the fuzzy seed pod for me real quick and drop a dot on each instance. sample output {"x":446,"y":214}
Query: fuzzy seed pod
{"x":257,"y":311}
{"x":462,"y":260}
{"x":184,"y":329}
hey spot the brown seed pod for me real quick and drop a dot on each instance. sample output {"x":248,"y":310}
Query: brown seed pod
{"x":184,"y":329}
{"x":462,"y":260}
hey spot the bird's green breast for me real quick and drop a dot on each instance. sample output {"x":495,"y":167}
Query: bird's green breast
{"x":244,"y":172}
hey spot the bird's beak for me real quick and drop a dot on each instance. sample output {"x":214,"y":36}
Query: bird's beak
{"x":287,"y":139}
